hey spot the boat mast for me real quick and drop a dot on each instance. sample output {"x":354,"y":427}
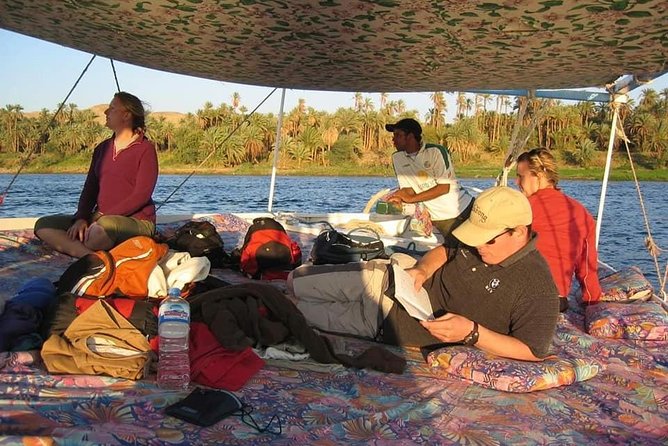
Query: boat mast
{"x":617,"y":101}
{"x":272,"y":185}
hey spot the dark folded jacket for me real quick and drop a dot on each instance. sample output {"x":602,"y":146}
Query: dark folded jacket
{"x":17,"y":320}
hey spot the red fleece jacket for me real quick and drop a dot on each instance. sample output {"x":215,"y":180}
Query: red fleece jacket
{"x":567,"y":240}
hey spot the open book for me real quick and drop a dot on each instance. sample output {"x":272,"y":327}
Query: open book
{"x":416,"y":303}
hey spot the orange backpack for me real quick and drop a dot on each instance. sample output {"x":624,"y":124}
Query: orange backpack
{"x":123,"y":271}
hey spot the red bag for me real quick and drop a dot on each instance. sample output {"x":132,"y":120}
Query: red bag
{"x":268,"y":252}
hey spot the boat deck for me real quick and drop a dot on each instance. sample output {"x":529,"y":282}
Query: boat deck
{"x":626,"y":402}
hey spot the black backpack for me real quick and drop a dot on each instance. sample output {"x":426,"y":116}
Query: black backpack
{"x":200,"y":239}
{"x":333,"y":247}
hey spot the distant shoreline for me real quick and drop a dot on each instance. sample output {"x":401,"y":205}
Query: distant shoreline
{"x":621,"y":173}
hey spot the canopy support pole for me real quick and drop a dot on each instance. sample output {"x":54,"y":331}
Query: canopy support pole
{"x":608,"y":161}
{"x":277,"y":146}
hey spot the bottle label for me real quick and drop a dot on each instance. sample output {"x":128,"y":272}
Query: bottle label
{"x":174,"y":312}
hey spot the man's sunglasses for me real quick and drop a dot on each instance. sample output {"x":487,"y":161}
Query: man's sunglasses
{"x":491,"y":242}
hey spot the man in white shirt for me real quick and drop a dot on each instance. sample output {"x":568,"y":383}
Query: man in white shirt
{"x":426,"y":174}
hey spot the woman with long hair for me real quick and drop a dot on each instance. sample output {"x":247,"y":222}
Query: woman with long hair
{"x":116,"y":201}
{"x":566,"y":230}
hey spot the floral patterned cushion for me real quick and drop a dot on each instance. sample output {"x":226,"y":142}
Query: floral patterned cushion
{"x":646,"y":321}
{"x":625,"y":285}
{"x":511,"y":375}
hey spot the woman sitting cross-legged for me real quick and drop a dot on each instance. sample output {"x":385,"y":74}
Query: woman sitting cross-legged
{"x":116,"y":201}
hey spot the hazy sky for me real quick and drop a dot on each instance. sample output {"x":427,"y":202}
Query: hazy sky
{"x":38,"y":74}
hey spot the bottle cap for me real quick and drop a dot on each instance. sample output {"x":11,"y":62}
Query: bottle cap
{"x":174,"y":292}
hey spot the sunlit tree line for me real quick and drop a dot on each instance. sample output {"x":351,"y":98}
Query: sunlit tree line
{"x":481,"y":131}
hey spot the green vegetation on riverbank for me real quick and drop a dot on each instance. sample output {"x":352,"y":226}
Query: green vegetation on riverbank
{"x":79,"y":164}
{"x":353,"y":141}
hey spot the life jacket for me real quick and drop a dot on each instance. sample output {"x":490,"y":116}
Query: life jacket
{"x":268,"y":252}
{"x":123,"y":271}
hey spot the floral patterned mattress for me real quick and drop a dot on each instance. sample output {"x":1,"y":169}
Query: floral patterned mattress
{"x":626,"y":402}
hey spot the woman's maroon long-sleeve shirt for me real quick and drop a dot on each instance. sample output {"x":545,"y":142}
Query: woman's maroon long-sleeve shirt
{"x":121,"y":184}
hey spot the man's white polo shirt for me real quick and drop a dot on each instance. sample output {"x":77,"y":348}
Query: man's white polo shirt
{"x":429,"y":166}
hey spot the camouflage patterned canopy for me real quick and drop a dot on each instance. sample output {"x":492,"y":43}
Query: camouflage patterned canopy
{"x":368,"y":45}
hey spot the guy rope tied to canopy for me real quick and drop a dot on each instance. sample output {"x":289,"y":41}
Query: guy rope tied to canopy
{"x":43,"y":134}
{"x":42,"y":137}
{"x":651,"y":246}
{"x":113,"y":68}
{"x":215,"y":149}
{"x":522,"y":132}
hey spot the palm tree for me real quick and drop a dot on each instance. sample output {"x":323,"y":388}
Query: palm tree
{"x":205,"y":116}
{"x":329,"y":134}
{"x":464,"y":138}
{"x":461,"y":104}
{"x":359,"y":102}
{"x":13,"y":114}
{"x":368,"y":104}
{"x":401,"y":107}
{"x":649,"y":100}
{"x":657,"y":140}
{"x":295,"y":149}
{"x":584,"y":153}
{"x":254,"y":143}
{"x":507,"y":103}
{"x":664,"y":101}
{"x":155,"y":130}
{"x":212,"y":141}
{"x":468,"y":106}
{"x":348,"y":120}
{"x":485,"y":100}
{"x":478,"y":104}
{"x":640,"y":127}
{"x":383,"y":100}
{"x":236,"y":100}
{"x":437,"y":118}
{"x":586,"y":110}
{"x":311,"y":140}
{"x":169,"y":130}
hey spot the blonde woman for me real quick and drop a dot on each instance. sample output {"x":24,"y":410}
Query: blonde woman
{"x":116,"y":202}
{"x":566,"y":230}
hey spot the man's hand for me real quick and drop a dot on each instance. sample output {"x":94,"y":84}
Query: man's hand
{"x":403,"y":195}
{"x":449,"y":328}
{"x":78,"y":230}
{"x":419,"y":277}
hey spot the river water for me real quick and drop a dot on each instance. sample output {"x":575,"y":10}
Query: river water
{"x":622,"y":236}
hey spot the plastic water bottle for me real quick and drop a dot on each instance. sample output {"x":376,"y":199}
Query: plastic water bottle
{"x":173,"y":328}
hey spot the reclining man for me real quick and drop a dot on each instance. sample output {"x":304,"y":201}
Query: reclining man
{"x":495,"y":290}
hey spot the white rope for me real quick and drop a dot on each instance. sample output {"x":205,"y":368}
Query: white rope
{"x":521,"y":135}
{"x":653,"y":249}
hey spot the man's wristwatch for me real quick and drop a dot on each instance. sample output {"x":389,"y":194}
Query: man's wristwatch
{"x":472,"y":338}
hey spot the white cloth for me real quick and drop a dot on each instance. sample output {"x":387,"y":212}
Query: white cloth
{"x":284,"y":351}
{"x":176,"y":269}
{"x":430,"y":166}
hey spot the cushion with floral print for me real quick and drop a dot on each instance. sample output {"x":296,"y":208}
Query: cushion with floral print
{"x":511,"y":375}
{"x":625,"y":285}
{"x":646,"y":321}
